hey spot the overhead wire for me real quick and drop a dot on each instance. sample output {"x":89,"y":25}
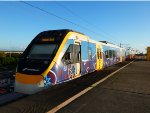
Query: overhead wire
{"x":66,"y":20}
{"x":83,"y":19}
{"x":50,"y":13}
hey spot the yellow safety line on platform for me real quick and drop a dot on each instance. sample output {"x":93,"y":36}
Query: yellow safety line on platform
{"x":63,"y":104}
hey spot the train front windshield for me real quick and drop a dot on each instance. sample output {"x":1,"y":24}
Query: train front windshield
{"x":38,"y":57}
{"x":42,"y":51}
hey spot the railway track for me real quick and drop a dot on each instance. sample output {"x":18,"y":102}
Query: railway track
{"x":10,"y":97}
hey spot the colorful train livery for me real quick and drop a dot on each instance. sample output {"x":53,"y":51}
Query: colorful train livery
{"x":57,"y":56}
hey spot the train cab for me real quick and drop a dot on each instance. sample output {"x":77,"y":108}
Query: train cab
{"x":37,"y":60}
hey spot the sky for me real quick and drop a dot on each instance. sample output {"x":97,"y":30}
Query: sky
{"x":117,"y":22}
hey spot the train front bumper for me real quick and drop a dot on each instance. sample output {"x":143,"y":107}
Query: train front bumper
{"x":28,"y":88}
{"x":28,"y":84}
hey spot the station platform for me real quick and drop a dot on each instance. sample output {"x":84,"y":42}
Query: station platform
{"x":127,"y":91}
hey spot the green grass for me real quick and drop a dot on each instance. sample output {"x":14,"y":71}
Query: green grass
{"x":8,"y":60}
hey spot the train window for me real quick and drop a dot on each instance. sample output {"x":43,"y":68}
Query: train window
{"x":106,"y":53}
{"x":110,"y":54}
{"x":72,"y":55}
{"x":115,"y":54}
{"x":118,"y":53}
{"x":77,"y":53}
{"x":67,"y":58}
{"x":42,"y":51}
{"x":98,"y":55}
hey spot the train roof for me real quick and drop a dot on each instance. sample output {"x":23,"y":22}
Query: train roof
{"x":109,"y":44}
{"x":63,"y":31}
{"x":104,"y":43}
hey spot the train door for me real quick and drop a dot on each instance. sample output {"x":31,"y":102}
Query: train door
{"x":72,"y":59}
{"x":77,"y":50}
{"x":99,"y":60}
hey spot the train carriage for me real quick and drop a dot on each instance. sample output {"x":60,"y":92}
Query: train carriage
{"x":61,"y":55}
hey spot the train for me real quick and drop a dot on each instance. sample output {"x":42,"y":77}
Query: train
{"x":57,"y":56}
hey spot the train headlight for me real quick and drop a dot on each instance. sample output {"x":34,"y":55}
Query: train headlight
{"x":41,"y":83}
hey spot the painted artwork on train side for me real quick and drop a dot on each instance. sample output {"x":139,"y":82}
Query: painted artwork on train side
{"x":111,"y":56}
{"x":60,"y":70}
{"x":63,"y":71}
{"x":88,"y":56}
